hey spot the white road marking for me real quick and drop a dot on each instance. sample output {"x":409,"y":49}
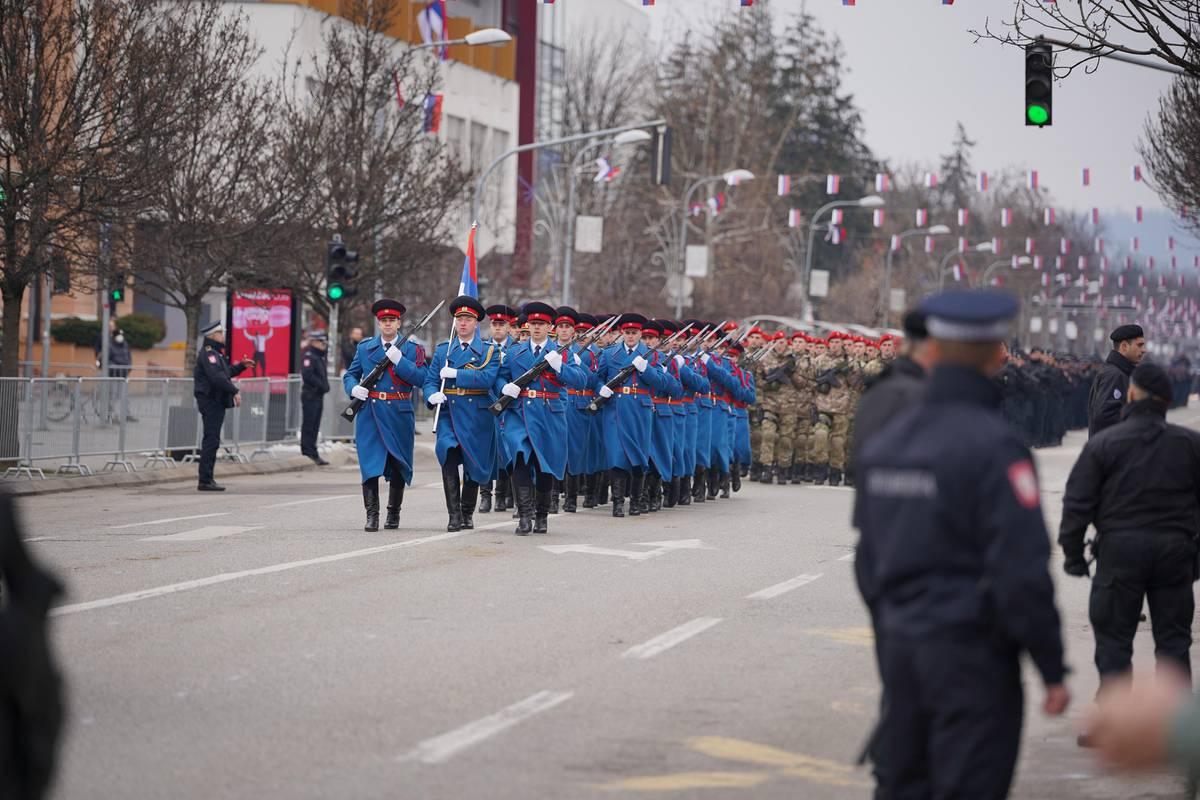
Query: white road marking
{"x":225,"y":577}
{"x":847,"y":557}
{"x":444,"y":747}
{"x":202,"y":534}
{"x":660,"y":548}
{"x":782,"y":588}
{"x":671,"y":638}
{"x":165,"y":521}
{"x":434,"y":485}
{"x":313,"y":500}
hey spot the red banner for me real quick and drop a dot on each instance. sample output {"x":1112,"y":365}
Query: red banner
{"x":262,"y":331}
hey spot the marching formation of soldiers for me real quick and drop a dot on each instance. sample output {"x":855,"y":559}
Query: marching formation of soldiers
{"x":554,"y":405}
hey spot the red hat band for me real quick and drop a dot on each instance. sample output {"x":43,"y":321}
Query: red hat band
{"x":464,"y":310}
{"x":388,"y":313}
{"x":631,"y":326}
{"x":565,"y":319}
{"x":537,"y":316}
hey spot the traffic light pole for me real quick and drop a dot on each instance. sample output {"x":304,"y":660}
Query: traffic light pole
{"x":1137,"y":62}
{"x":333,"y":347}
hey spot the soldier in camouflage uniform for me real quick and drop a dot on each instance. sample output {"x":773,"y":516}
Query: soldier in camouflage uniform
{"x":756,"y":339}
{"x":865,"y":366}
{"x":779,"y":402}
{"x":803,"y":383}
{"x":834,"y":402}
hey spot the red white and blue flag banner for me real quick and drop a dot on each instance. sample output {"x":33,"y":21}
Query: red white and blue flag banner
{"x":1150,"y":263}
{"x":1174,"y":263}
{"x":958,"y":272}
{"x":836,"y":234}
{"x":433,"y":113}
{"x":1170,"y":242}
{"x":1082,"y":263}
{"x":747,"y":3}
{"x":837,"y":216}
{"x":1137,"y":173}
{"x":785,"y":185}
{"x":1128,"y":262}
{"x":833,"y":184}
{"x":1098,"y":245}
{"x":1095,"y":216}
{"x":433,"y":24}
{"x":1031,"y":179}
{"x":793,"y":218}
{"x":1139,"y":214}
{"x":1058,"y":263}
{"x":931,"y":180}
{"x":928,"y":244}
{"x":895,"y":245}
{"x":1064,"y":245}
{"x":1030,"y":245}
{"x":1087,"y":177}
{"x":964,"y":217}
{"x":877,"y":217}
{"x":847,"y":2}
{"x":995,"y":246}
{"x":1045,"y":279}
{"x":1005,"y":217}
{"x":1037,"y":262}
{"x":468,"y":284}
{"x":605,"y":171}
{"x":962,"y":244}
{"x":1016,"y":261}
{"x":1104,"y":263}
{"x":1135,"y":244}
{"x":922,"y":217}
{"x":647,"y":2}
{"x":1048,"y":216}
{"x":1120,"y":281}
{"x":981,"y":182}
{"x":883,"y":182}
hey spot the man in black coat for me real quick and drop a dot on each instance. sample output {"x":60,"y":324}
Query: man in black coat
{"x":897,"y":388}
{"x":1138,"y":483}
{"x":314,"y":380}
{"x":215,"y":391}
{"x":1112,"y":384}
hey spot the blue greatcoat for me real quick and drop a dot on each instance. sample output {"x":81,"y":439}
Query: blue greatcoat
{"x":537,"y":425}
{"x":741,"y":416}
{"x":596,"y":459}
{"x":385,"y":427}
{"x":465,"y":420}
{"x":579,"y":422}
{"x":502,"y":457}
{"x":705,"y":407}
{"x":725,"y":385}
{"x":693,"y":384}
{"x":628,"y":416}
{"x":663,"y":431}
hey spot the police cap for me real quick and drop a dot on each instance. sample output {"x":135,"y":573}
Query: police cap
{"x":566,"y":314}
{"x":969,"y":315}
{"x":1153,"y":379}
{"x":651,"y":328}
{"x":631,"y":321}
{"x":585,"y":322}
{"x":213,"y":328}
{"x":538,"y":312}
{"x":386,"y":307}
{"x":668,"y":326}
{"x":1125,"y":333}
{"x":914,"y":325}
{"x":317,"y":336}
{"x":501,"y":312}
{"x":465,"y":305}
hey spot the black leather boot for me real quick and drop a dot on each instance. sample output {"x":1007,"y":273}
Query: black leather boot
{"x":737,"y":479}
{"x":755,"y":471}
{"x":820,"y":474}
{"x":453,"y":491}
{"x":571,"y":495}
{"x":504,"y":497}
{"x":685,"y":490}
{"x":698,"y":485}
{"x":524,"y":509}
{"x":655,"y":492}
{"x":371,"y":503}
{"x":395,"y":500}
{"x":810,"y":472}
{"x":798,"y":472}
{"x":848,"y":477}
{"x":589,"y":490}
{"x":835,"y":476}
{"x":768,"y":474}
{"x":618,"y":493}
{"x":554,"y":498}
{"x":637,"y":483}
{"x":670,"y":493}
{"x":469,"y":490}
{"x":725,"y":481}
{"x":485,"y":498}
{"x":541,"y":509}
{"x":714,"y":482}
{"x":603,"y":482}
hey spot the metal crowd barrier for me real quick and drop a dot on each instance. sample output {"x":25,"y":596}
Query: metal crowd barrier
{"x":90,"y":424}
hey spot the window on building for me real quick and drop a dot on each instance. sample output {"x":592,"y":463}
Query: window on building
{"x":456,"y":138}
{"x":478,"y":146}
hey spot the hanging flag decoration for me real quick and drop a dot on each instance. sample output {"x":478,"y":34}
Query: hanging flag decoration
{"x":432,"y":22}
{"x":1082,"y":263}
{"x":964,"y":217}
{"x":1171,"y":243}
{"x":1104,"y":263}
{"x":433,"y":113}
{"x":1196,"y":262}
{"x":883,"y":182}
{"x":1150,"y":263}
{"x":995,"y":245}
{"x":1087,"y":177}
{"x":647,"y":2}
{"x":1031,"y":179}
{"x":1037,"y":262}
{"x":785,"y":185}
{"x":1048,"y":216}
{"x":1128,"y":262}
{"x":962,"y":244}
{"x":1139,"y":214}
{"x":1005,"y":217}
{"x":922,"y":217}
{"x":1058,"y":263}
{"x":928,"y":244}
{"x":1174,"y":263}
{"x":1137,"y":173}
{"x":605,"y":171}
{"x":833,"y":184}
{"x":836,"y":234}
{"x":958,"y":272}
{"x":1135,"y":244}
{"x":847,"y":2}
{"x":895,"y":243}
{"x":793,"y":218}
{"x":981,"y":182}
{"x":1016,"y":261}
{"x":931,"y":180}
{"x":1030,"y":245}
{"x":837,"y":216}
{"x":1098,"y":245}
{"x":1064,"y":246}
{"x":877,"y":217}
{"x":1095,"y":216}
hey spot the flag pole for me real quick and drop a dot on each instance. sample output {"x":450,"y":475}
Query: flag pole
{"x":437,"y":412}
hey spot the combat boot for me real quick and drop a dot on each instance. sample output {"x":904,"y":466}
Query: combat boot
{"x":618,"y":493}
{"x":797,"y":472}
{"x":395,"y":499}
{"x":835,"y":476}
{"x":541,"y":509}
{"x":572,"y":492}
{"x":554,"y":490}
{"x":469,"y":490}
{"x":698,"y":493}
{"x":671,"y":493}
{"x":485,"y":498}
{"x":820,"y":474}
{"x":637,"y":483}
{"x":737,"y":480}
{"x":371,"y":503}
{"x":602,"y":485}
{"x":685,"y":491}
{"x":453,"y":491}
{"x":725,"y":480}
{"x":714,"y":482}
{"x":810,"y":472}
{"x":589,"y":490}
{"x":848,"y":478}
{"x":755,"y":471}
{"x":656,"y":493}
{"x":524,"y":509}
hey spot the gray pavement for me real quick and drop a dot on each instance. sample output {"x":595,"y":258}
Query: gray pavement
{"x":259,"y":644}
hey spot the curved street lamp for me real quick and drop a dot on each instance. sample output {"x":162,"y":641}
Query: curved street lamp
{"x":732,"y":178}
{"x":870,"y":201}
{"x":483,"y":36}
{"x":982,"y":247}
{"x":885,"y":294}
{"x":987,"y":273}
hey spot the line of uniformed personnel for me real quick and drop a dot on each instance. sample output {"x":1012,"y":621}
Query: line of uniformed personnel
{"x":603,"y":416}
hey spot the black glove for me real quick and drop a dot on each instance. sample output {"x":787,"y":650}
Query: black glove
{"x":1076,"y":566}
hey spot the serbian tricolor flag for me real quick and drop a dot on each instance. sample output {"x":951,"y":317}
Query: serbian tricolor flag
{"x":1031,"y":179}
{"x":836,"y":216}
{"x":1058,"y":263}
{"x":605,"y":171}
{"x":433,"y":113}
{"x":877,"y":217}
{"x":747,"y":3}
{"x":1139,"y":214}
{"x":1120,"y":281}
{"x":1150,"y":263}
{"x":981,"y":182}
{"x":928,"y":244}
{"x":1082,"y":263}
{"x":647,"y":2}
{"x":836,"y":234}
{"x":883,"y":182}
{"x":1174,"y":263}
{"x":922,"y":217}
{"x":1104,"y":263}
{"x":1005,"y":217}
{"x":1095,"y":216}
{"x":1170,"y":242}
{"x":964,"y":217}
{"x":962,"y":244}
{"x":785,"y":185}
{"x":468,"y":284}
{"x":895,"y":245}
{"x":833,"y":184}
{"x":1064,"y":246}
{"x":1016,"y":262}
{"x":958,"y":272}
{"x":1135,"y":244}
{"x":1128,"y":262}
{"x":847,"y":2}
{"x":1098,"y":245}
{"x":432,"y":23}
{"x":793,"y":218}
{"x":1037,"y":262}
{"x":930,"y":180}
{"x":1137,"y":173}
{"x":1030,"y":245}
{"x":1048,"y":216}
{"x":1045,"y":279}
{"x":995,"y":245}
{"x":1087,"y":177}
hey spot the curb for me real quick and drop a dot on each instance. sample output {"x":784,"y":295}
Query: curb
{"x":179,"y":474}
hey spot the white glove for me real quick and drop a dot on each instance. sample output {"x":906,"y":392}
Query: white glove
{"x":606,"y":392}
{"x":640,"y":363}
{"x":360,"y":392}
{"x":578,"y":363}
{"x":394,"y":354}
{"x":449,"y":373}
{"x":511,"y":390}
{"x":705,"y":358}
{"x":554,"y":360}
{"x":436,"y":399}
{"x":680,"y":361}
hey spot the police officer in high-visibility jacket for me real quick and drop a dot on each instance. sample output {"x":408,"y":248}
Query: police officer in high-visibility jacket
{"x":535,"y":424}
{"x":460,"y":379}
{"x":384,"y":428}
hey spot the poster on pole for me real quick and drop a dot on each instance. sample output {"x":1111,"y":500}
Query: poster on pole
{"x":898,"y":301}
{"x":818,"y":283}
{"x":261,"y":330}
{"x":589,"y":234}
{"x":695,"y":263}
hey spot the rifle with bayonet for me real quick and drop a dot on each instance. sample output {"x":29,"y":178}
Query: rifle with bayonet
{"x":530,"y":375}
{"x":626,"y":371}
{"x":735,"y":333}
{"x":372,"y":378}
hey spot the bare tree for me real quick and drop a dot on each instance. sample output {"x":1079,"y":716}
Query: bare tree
{"x":1171,"y":149}
{"x":90,"y":92}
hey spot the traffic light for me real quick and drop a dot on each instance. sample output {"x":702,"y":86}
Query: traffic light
{"x":339,"y":272}
{"x":660,"y":156}
{"x":1039,"y":84}
{"x":116,"y":291}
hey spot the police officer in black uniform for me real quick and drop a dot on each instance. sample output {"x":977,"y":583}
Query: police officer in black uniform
{"x":1138,"y":483}
{"x":214,"y":391}
{"x":952,"y":563}
{"x":1112,"y":384}
{"x":314,"y":387}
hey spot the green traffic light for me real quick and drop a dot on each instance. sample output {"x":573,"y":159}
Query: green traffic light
{"x":1037,"y":114}
{"x":336,"y":292}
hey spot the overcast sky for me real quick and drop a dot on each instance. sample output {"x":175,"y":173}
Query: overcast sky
{"x":915,"y":71}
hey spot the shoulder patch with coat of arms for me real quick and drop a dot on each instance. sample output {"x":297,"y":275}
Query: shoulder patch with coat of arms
{"x":1023,"y":479}
{"x":212,"y":359}
{"x":1116,"y":394}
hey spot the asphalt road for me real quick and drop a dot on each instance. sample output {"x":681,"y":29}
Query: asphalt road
{"x":260,"y":644}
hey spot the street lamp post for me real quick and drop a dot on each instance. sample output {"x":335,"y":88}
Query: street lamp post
{"x":483,"y":36}
{"x":885,"y":296}
{"x":982,"y":247}
{"x":636,"y":136}
{"x":870,"y":201}
{"x":987,"y":273}
{"x":732,"y":177}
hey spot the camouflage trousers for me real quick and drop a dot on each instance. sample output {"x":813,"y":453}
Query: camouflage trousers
{"x":756,"y":436}
{"x":777,"y":439}
{"x":829,"y":438}
{"x":804,"y":434}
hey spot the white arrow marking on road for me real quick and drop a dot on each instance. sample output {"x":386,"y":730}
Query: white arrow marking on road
{"x":165,"y":521}
{"x":660,"y":548}
{"x":442,"y":748}
{"x":783,"y":588}
{"x":667,"y":640}
{"x":200,"y":534}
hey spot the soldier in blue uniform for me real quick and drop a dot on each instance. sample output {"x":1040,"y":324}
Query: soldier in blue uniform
{"x":314,"y":385}
{"x":683,"y":456}
{"x":384,"y":428}
{"x":500,"y":317}
{"x":594,"y":460}
{"x":535,"y":424}
{"x":705,"y":408}
{"x":629,"y":415}
{"x":215,"y":391}
{"x":460,"y":379}
{"x":662,"y":432}
{"x":725,"y":385}
{"x":742,"y":400}
{"x":953,"y":565}
{"x":567,"y":322}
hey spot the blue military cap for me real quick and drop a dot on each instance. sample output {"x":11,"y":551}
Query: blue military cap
{"x":969,"y":316}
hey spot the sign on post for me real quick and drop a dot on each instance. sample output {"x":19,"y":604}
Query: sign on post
{"x":1035,"y":324}
{"x":898,"y":301}
{"x":695,"y":263}
{"x":818,"y":283}
{"x":589,"y":234}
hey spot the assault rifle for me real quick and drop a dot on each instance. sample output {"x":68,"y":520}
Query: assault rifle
{"x":372,"y":378}
{"x":530,"y":375}
{"x":626,"y":371}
